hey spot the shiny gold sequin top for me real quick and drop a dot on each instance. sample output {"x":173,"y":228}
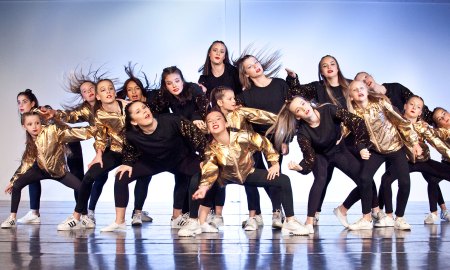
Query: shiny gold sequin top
{"x":243,"y":116}
{"x":444,"y":135}
{"x":50,"y":150}
{"x":82,"y":113}
{"x":109,"y":128}
{"x":427,"y":134}
{"x":234,"y":162}
{"x":388,"y":130}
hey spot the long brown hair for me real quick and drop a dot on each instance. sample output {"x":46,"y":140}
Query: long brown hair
{"x":341,"y":79}
{"x":284,"y":127}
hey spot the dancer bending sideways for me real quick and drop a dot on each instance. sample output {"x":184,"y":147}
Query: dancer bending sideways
{"x":44,"y":158}
{"x":229,"y":160}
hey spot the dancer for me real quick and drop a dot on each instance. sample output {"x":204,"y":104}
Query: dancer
{"x":218,"y":70}
{"x":319,"y":137}
{"x":423,"y":163}
{"x":44,"y":158}
{"x":388,"y":131}
{"x":229,"y":160}
{"x":154,"y":145}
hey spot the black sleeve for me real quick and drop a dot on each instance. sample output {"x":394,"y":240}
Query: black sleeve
{"x":194,"y":136}
{"x":158,"y":104}
{"x":356,"y":124}
{"x":309,"y":155}
{"x":307,"y":91}
{"x":130,"y":154}
{"x":201,"y":103}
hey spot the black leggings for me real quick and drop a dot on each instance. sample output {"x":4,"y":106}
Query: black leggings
{"x":33,"y":175}
{"x":111,"y":160}
{"x":400,"y":167}
{"x":253,"y":198}
{"x":431,"y":167}
{"x":349,"y":165}
{"x":142,"y":170}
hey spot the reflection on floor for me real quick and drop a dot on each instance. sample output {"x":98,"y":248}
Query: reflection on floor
{"x":157,"y":246}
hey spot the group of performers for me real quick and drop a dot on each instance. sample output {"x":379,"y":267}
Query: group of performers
{"x":219,"y":131}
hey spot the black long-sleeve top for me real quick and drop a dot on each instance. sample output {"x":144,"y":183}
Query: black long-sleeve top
{"x":173,"y":140}
{"x":399,"y":95}
{"x":323,"y":138}
{"x":315,"y":91}
{"x":270,"y":98}
{"x":191,"y":109}
{"x":230,"y":78}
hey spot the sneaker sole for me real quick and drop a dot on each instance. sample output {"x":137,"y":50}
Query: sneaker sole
{"x":288,"y":232}
{"x":136,"y":224}
{"x":29,"y":222}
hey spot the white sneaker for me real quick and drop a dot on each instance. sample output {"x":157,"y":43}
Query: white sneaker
{"x":87,"y":222}
{"x":310,"y":228}
{"x":9,"y":223}
{"x":259,"y":221}
{"x":190,"y":228}
{"x":384,"y":221}
{"x":145,"y":217}
{"x":361,"y":224}
{"x":294,"y":227}
{"x":91,"y":215}
{"x":251,"y":224}
{"x":114,"y":227}
{"x":217,"y":221}
{"x":401,"y":224}
{"x":445,"y":215}
{"x":431,"y":218}
{"x":208,"y":228}
{"x":137,"y":219}
{"x":376,"y":216}
{"x":70,"y":224}
{"x":342,"y":219}
{"x":277,"y":221}
{"x":30,"y":218}
{"x":316,"y":219}
{"x":180,"y":221}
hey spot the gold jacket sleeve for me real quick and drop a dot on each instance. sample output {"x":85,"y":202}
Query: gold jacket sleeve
{"x":258,"y":116}
{"x":77,"y":134}
{"x":25,"y":165}
{"x":264,"y":145}
{"x":404,"y":127}
{"x":444,"y":138}
{"x":210,"y":169}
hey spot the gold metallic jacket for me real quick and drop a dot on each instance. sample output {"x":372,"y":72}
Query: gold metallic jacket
{"x":82,"y":113}
{"x":109,"y":128}
{"x":444,"y":135}
{"x":427,"y":134}
{"x":235,"y":160}
{"x":50,"y":150}
{"x":388,"y":130}
{"x":241,"y":117}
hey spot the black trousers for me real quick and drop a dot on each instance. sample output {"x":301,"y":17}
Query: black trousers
{"x":33,"y":175}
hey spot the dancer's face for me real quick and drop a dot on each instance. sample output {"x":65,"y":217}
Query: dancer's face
{"x":228,"y":101}
{"x":358,"y":91}
{"x":442,"y":118}
{"x":301,"y":108}
{"x":32,"y":124}
{"x":216,"y":123}
{"x":24,"y":104}
{"x":134,"y":92}
{"x":140,"y":114}
{"x":413,"y":108}
{"x":106,"y":92}
{"x":217,"y":54}
{"x":252,"y":67}
{"x":174,"y":83}
{"x":88,"y":91}
{"x":367,"y":79}
{"x":328,"y":67}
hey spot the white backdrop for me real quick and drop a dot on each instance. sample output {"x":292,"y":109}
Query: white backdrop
{"x":396,"y":41}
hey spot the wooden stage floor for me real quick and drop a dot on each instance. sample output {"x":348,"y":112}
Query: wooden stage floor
{"x":157,"y":246}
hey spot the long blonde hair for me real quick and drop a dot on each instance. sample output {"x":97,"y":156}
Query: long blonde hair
{"x":372,"y":96}
{"x":284,"y":127}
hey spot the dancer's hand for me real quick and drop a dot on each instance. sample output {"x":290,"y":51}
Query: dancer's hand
{"x":294,"y":166}
{"x":417,"y":150}
{"x":202,"y":87}
{"x":273,"y":171}
{"x":97,"y":159}
{"x":284,"y":149}
{"x":291,"y":73}
{"x":8,"y":188}
{"x":200,"y":124}
{"x":123,"y":169}
{"x":365,"y":154}
{"x":200,"y":193}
